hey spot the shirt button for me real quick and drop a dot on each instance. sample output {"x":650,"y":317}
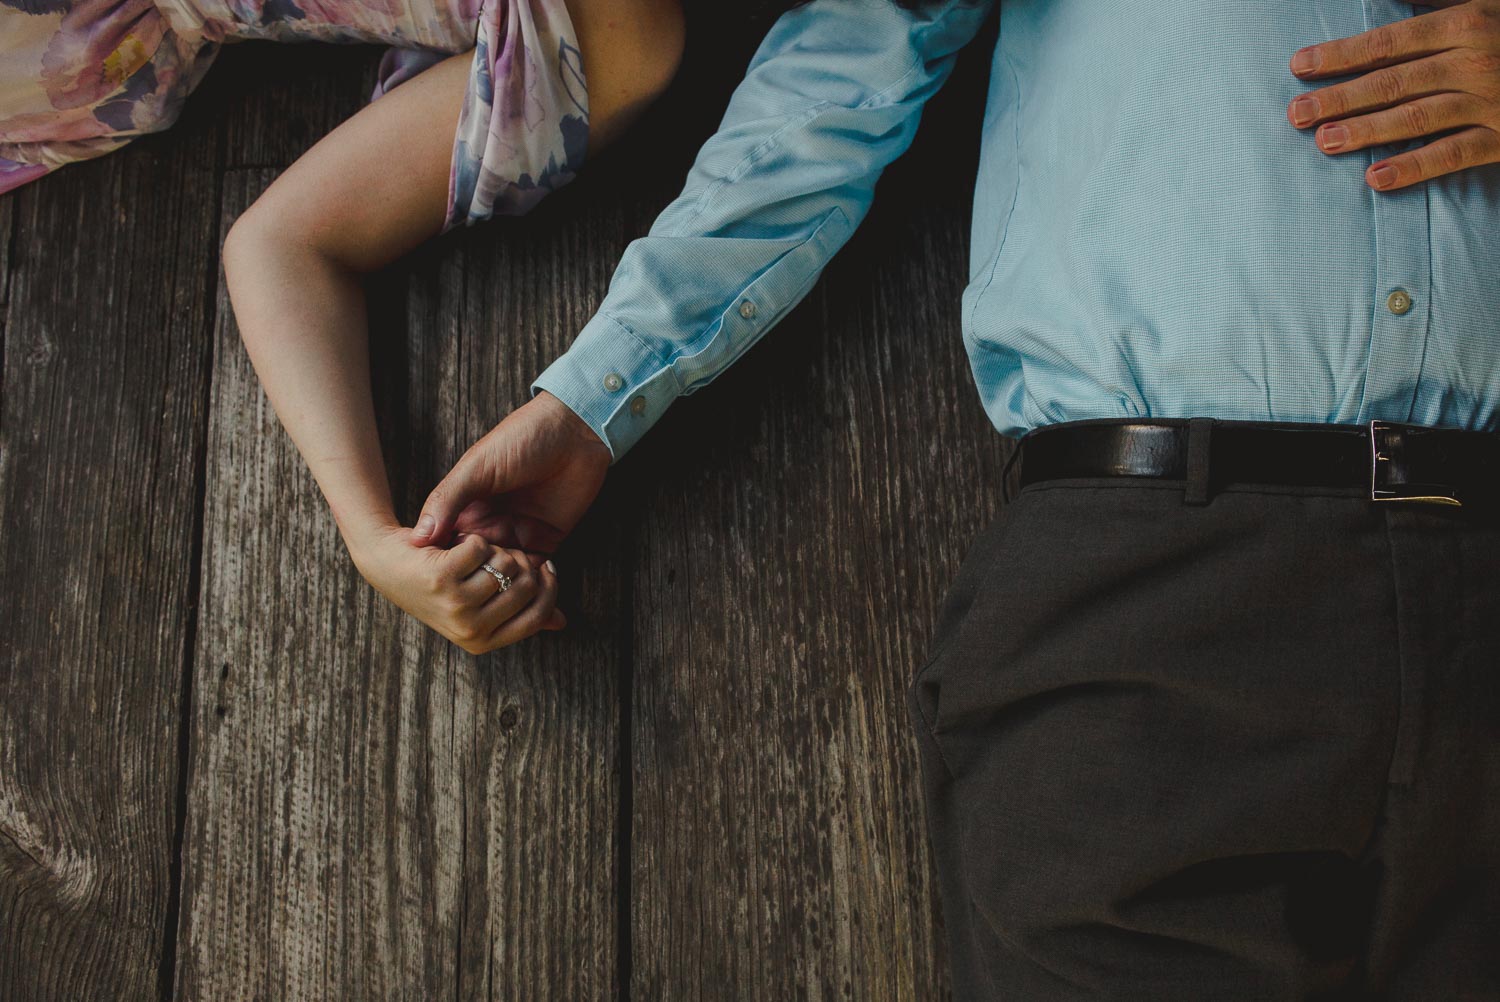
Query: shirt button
{"x":747,"y":309}
{"x":613,"y":382}
{"x":638,"y":405}
{"x":1398,"y":302}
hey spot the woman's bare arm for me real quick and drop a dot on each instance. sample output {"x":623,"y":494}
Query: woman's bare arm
{"x":367,"y":193}
{"x":352,"y":204}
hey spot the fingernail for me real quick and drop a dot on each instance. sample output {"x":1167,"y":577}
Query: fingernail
{"x":550,"y":566}
{"x":1383,"y":175}
{"x":1333,"y":137}
{"x":1306,"y":60}
{"x":1304,"y":110}
{"x":425,"y":525}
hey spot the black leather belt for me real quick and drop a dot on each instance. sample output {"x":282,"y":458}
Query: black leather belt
{"x":1395,"y":462}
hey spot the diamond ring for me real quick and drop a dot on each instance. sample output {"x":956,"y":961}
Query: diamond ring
{"x":501,"y":581}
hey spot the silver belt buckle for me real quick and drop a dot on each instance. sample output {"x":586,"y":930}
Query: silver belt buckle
{"x":1386,"y":442}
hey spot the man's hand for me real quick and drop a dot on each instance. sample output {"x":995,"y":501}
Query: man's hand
{"x":524,"y":485}
{"x":1431,"y":73}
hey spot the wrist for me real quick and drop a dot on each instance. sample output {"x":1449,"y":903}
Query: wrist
{"x":580,"y":428}
{"x":362,"y":532}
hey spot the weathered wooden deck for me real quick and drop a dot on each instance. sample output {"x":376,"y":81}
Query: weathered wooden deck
{"x":230,"y":770}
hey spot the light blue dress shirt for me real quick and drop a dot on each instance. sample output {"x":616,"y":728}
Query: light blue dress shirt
{"x":1151,"y":236}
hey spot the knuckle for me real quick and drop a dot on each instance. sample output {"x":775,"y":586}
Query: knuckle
{"x":1443,"y":159}
{"x":1417,"y":118}
{"x":1419,"y":166}
{"x":1474,"y":23}
{"x":1379,"y":46}
{"x":1482,"y":62}
{"x":1459,"y":152}
{"x":1471,"y":149}
{"x":1488,"y":145}
{"x":1387,"y":86}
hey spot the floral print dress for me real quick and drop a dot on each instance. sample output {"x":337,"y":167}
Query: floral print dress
{"x":79,"y":78}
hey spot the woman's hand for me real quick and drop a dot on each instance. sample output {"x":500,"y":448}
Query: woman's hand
{"x":1430,"y":73}
{"x":450,"y":591}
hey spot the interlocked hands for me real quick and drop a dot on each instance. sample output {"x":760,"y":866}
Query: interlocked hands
{"x":509,"y":501}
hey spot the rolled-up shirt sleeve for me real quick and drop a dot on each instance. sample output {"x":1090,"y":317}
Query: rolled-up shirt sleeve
{"x":831,"y":97}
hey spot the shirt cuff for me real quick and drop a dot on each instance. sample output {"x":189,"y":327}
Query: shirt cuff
{"x":610,"y":379}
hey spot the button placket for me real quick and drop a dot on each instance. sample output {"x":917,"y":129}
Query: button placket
{"x":1403,"y":268}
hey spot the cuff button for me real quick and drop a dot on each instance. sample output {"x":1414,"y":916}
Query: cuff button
{"x":747,"y":309}
{"x":638,"y":405}
{"x":613,"y":382}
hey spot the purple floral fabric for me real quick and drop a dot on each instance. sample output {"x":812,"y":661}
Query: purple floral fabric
{"x":524,"y":126}
{"x":79,"y":78}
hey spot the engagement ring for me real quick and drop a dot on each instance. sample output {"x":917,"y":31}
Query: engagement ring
{"x":501,"y":581}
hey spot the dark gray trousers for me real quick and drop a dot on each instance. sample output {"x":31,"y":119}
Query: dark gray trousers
{"x":1245,"y":750}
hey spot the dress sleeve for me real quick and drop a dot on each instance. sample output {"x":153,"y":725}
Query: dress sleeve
{"x":831,"y":97}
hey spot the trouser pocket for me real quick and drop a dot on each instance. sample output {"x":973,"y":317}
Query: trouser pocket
{"x":979,"y":565}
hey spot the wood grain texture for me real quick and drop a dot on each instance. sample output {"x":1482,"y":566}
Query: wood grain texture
{"x":9,"y":232}
{"x":806,"y":515}
{"x":375,"y":814}
{"x":277,"y":99}
{"x":101,"y":447}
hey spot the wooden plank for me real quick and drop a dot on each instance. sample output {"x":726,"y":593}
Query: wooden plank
{"x":7,"y":237}
{"x":278,"y":99}
{"x":373,"y":813}
{"x":101,"y":445}
{"x":552,"y":924}
{"x":806,"y":515}
{"x":9,"y":228}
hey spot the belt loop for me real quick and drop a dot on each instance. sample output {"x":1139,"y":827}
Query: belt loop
{"x":1199,"y":433}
